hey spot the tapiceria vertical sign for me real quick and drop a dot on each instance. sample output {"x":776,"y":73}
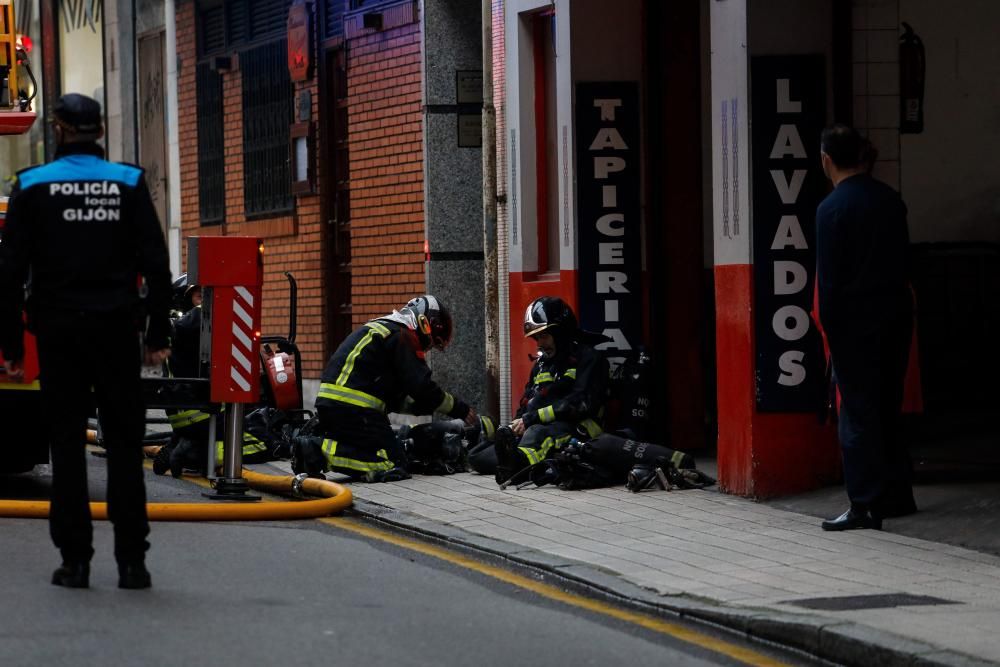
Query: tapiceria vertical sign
{"x":788,"y":113}
{"x":607,"y":135}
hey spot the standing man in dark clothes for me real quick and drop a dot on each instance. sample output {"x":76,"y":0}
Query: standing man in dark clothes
{"x":862,"y":247}
{"x":80,"y":232}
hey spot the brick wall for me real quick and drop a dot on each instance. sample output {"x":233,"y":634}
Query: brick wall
{"x":292,"y":243}
{"x":385,"y":139}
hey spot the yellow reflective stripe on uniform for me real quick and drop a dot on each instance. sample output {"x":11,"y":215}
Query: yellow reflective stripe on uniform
{"x":187,"y":418}
{"x":570,"y":373}
{"x":351,"y":396}
{"x":543,"y":377}
{"x":447,"y":404}
{"x":251,"y":445}
{"x":329,"y":448}
{"x":677,"y":459}
{"x":373,"y":329}
{"x":380,"y":328}
{"x":538,"y":455}
{"x":547,"y":414}
{"x":593,"y":428}
{"x":488,"y":427}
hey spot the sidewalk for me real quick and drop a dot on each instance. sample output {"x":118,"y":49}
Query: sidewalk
{"x":745,"y":565}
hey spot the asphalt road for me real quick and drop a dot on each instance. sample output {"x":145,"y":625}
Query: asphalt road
{"x":297,"y":593}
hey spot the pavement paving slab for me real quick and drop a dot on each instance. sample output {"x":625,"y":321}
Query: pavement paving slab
{"x":723,"y":559}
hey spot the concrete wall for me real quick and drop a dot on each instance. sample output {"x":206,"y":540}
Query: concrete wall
{"x":951,"y":172}
{"x":453,"y":193}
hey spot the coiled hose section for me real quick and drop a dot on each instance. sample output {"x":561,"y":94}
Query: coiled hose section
{"x":330,"y":498}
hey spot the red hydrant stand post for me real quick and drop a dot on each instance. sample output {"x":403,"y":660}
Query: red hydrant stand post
{"x":230,"y":271}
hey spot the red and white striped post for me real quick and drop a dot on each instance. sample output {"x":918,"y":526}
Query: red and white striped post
{"x":230,"y":272}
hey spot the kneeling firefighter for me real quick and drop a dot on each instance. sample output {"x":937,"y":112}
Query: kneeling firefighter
{"x":380,"y":368}
{"x":186,"y":448}
{"x":564,"y":398}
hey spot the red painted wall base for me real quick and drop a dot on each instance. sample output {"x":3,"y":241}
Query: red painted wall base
{"x":761,"y":455}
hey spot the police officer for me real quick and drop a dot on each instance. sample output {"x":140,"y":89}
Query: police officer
{"x":80,"y":232}
{"x":379,"y":368}
{"x":564,"y":397}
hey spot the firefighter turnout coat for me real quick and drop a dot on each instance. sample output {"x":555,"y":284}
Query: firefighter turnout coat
{"x":379,"y":368}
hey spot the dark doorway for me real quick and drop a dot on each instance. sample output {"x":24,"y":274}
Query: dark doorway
{"x":335,"y":185}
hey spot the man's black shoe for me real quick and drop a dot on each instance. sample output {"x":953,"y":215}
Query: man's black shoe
{"x":72,"y":575}
{"x":853,"y":519}
{"x":134,"y":576}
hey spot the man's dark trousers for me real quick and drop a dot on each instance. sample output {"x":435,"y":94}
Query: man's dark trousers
{"x":77,"y":352}
{"x":870,"y":372}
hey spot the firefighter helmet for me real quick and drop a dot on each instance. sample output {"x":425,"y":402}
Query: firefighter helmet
{"x":433,"y":321}
{"x":549,"y":312}
{"x":182,"y":291}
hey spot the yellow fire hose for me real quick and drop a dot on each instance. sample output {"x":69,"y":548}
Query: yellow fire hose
{"x":332,"y":498}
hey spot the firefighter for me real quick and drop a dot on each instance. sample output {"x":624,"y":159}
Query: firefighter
{"x":378,"y":369}
{"x":186,"y":449}
{"x":84,"y":230}
{"x":564,"y":397}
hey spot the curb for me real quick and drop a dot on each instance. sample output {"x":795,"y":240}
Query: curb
{"x":836,"y":641}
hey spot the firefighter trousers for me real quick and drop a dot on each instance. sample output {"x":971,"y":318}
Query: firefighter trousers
{"x":359,"y":441}
{"x":79,"y":352}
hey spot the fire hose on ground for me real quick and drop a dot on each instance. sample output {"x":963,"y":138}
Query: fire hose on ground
{"x":330,"y":498}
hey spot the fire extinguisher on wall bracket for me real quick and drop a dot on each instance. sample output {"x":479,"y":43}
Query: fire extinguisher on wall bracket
{"x":912,"y":70}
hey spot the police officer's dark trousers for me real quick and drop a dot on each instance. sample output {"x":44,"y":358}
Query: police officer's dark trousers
{"x":77,"y":352}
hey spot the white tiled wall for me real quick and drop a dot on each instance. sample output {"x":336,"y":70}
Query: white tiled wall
{"x":875,"y":58}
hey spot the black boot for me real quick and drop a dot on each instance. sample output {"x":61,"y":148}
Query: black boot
{"x":853,"y":519}
{"x":72,"y":575}
{"x":504,"y":444}
{"x":133,"y":576}
{"x":308,"y":457}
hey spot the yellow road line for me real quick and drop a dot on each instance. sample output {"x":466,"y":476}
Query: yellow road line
{"x":675,"y":630}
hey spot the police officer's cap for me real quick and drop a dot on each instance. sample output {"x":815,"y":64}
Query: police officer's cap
{"x":79,"y":113}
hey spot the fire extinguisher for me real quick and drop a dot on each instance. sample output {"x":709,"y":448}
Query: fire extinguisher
{"x":912,"y":67}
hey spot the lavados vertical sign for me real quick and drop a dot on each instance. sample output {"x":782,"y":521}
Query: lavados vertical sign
{"x":788,"y":114}
{"x":607,"y":135}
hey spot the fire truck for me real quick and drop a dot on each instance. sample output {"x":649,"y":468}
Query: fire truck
{"x":20,"y":402}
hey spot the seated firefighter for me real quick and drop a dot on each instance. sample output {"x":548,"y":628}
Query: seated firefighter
{"x":186,"y":449}
{"x":563,"y":399}
{"x":380,"y":368}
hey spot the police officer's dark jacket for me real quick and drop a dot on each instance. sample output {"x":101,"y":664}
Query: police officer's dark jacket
{"x":86,"y":229}
{"x":379,"y":367}
{"x":570,"y":387}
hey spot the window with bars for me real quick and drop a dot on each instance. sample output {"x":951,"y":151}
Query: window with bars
{"x":268,"y":100}
{"x":211,"y":149}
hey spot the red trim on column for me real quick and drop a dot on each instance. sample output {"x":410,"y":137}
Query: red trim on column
{"x":539,"y":23}
{"x":734,"y":361}
{"x":761,"y":454}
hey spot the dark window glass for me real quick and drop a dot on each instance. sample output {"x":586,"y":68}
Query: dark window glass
{"x":267,"y":115}
{"x":211,"y":153}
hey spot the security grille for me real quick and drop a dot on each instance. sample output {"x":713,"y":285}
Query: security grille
{"x":211,"y":154}
{"x":267,"y":115}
